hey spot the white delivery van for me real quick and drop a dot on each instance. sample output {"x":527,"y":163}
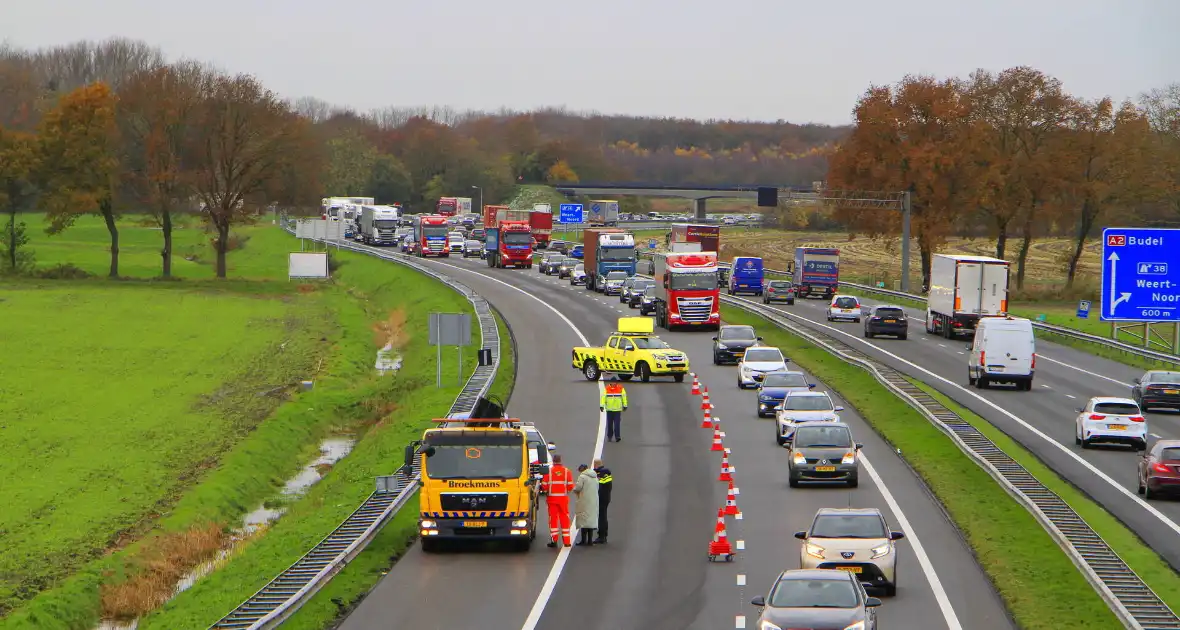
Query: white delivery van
{"x":1004,"y":352}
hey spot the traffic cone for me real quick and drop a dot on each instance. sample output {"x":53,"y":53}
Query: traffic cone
{"x":725,"y":474}
{"x":696,"y":386}
{"x":731,"y":487}
{"x":717,"y":440}
{"x":708,"y":421}
{"x":720,"y":545}
{"x":705,"y":398}
{"x":731,"y":508}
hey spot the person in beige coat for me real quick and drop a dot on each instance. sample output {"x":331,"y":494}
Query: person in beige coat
{"x":586,"y":512}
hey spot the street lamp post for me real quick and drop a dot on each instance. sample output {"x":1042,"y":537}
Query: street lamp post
{"x":480,"y":199}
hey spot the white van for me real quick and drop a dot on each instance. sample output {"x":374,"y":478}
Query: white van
{"x":1004,"y":352}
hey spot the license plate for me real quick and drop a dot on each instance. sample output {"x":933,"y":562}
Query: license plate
{"x":475,"y":523}
{"x":1172,"y":391}
{"x":847,"y":310}
{"x":851,"y":569}
{"x":825,"y":469}
{"x":891,"y":321}
{"x":1118,"y":427}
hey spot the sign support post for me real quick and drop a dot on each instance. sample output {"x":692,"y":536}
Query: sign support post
{"x":449,"y":329}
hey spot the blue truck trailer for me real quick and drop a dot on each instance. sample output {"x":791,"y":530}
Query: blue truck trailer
{"x":817,"y":271}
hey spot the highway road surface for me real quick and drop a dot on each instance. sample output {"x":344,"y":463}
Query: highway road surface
{"x":1042,"y":420}
{"x":654,"y":573}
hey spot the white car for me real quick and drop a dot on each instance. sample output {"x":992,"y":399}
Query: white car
{"x":757,"y":362}
{"x":1109,"y":420}
{"x":844,"y":307}
{"x":578,"y":274}
{"x":456,"y":242}
{"x":803,"y":407}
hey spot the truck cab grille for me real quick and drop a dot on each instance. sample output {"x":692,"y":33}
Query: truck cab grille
{"x":695,"y":309}
{"x":473,"y":501}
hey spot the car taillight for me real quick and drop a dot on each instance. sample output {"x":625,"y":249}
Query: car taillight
{"x":1138,"y":419}
{"x":1097,"y":416}
{"x":982,"y":357}
{"x":1158,"y":467}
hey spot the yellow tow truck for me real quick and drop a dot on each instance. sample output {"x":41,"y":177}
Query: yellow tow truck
{"x":632,"y":351}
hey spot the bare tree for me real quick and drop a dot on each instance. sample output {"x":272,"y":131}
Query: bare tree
{"x":113,"y":61}
{"x":313,"y":109}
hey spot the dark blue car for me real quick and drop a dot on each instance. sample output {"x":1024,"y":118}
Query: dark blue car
{"x":774,"y":388}
{"x":576,"y":252}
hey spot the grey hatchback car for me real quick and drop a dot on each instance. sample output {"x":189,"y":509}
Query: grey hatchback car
{"x":817,"y":598}
{"x":823,"y":451}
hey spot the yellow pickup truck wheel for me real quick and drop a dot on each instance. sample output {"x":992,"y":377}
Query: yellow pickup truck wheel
{"x":590,"y":370}
{"x":643,"y":372}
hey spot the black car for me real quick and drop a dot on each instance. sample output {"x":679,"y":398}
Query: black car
{"x":472,"y":248}
{"x":779,"y":291}
{"x":566,"y":266}
{"x":550,"y":263}
{"x":887,"y":319}
{"x":828,"y":454}
{"x":561,"y":247}
{"x":647,"y":301}
{"x":635,"y":295}
{"x":817,"y":598}
{"x":1157,"y":388}
{"x":731,"y":343}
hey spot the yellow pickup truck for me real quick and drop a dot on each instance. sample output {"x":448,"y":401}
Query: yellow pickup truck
{"x":632,"y":351}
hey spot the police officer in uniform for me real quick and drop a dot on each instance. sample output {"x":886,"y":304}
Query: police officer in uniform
{"x":606,"y":482}
{"x":614,"y":403}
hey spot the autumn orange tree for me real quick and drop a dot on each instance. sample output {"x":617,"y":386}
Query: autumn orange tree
{"x":246,"y":138}
{"x":156,"y":115}
{"x":917,"y":136}
{"x":18,"y":163}
{"x":80,"y":161}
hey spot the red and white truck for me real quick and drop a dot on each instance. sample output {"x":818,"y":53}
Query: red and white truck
{"x":430,"y":236}
{"x":447,"y":206}
{"x":688,"y":292}
{"x":508,"y":237}
{"x":541,"y":219}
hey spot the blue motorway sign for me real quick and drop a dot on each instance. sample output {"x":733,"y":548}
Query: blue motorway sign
{"x":570,"y":213}
{"x":1140,"y":275}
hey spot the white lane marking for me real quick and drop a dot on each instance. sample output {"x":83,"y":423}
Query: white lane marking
{"x":1045,"y":386}
{"x":944,"y":602}
{"x":741,"y":579}
{"x":942,"y":345}
{"x":1094,"y":374}
{"x":1151,"y":509}
{"x":1070,"y":396}
{"x":546,"y":593}
{"x":1156,"y":436}
{"x":739,"y":621}
{"x":741,"y":545}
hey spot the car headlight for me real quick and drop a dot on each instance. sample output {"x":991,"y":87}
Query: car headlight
{"x":520,"y":523}
{"x":849,"y":458}
{"x":860,"y":625}
{"x":429,"y":524}
{"x":798,"y":458}
{"x":721,"y":346}
{"x":815,"y":551}
{"x":766,"y":625}
{"x":881,"y":551}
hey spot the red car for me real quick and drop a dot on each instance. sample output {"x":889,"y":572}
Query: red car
{"x":1159,"y":469}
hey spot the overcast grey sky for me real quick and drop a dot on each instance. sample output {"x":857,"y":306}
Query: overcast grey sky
{"x":741,"y":59}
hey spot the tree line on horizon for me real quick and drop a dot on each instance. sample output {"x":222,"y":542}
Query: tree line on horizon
{"x":113,"y":127}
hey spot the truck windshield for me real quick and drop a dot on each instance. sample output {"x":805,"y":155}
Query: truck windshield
{"x":385,"y":224}
{"x":616,"y":253}
{"x":470,"y":455}
{"x":695,"y":280}
{"x":650,"y":343}
{"x":434,"y":231}
{"x":518,"y":238}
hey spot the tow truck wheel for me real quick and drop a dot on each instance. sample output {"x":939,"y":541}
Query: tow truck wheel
{"x":590,"y":371}
{"x":643,"y":372}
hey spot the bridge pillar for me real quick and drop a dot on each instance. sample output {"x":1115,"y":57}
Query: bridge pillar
{"x":698,"y":206}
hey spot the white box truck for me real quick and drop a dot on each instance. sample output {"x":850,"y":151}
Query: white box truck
{"x":464,"y":205}
{"x":964,"y":289}
{"x":379,"y":225}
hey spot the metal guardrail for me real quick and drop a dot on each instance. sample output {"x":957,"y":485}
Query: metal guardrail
{"x":281,"y":597}
{"x":1136,"y":605}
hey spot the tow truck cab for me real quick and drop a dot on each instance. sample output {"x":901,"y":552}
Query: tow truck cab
{"x":632,"y":351}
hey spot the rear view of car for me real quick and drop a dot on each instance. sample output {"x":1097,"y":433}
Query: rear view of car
{"x":887,"y":320}
{"x":844,"y":307}
{"x":1157,"y":388}
{"x":1107,"y":420}
{"x":779,"y":291}
{"x":1159,"y":470}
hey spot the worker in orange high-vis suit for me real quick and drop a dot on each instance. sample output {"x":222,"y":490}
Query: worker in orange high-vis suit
{"x":557,"y":485}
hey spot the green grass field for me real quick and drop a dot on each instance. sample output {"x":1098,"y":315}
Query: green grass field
{"x":176,"y":375}
{"x":1039,"y":584}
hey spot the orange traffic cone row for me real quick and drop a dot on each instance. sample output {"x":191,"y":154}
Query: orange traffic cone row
{"x":720,"y":547}
{"x":707,"y":422}
{"x":732,"y":489}
{"x":696,"y":386}
{"x":705,"y":398}
{"x":717,"y":440}
{"x":731,"y":508}
{"x":725,"y":472}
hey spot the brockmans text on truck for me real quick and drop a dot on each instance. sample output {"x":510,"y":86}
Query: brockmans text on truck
{"x":605,"y":250}
{"x":962,"y":290}
{"x":430,"y":236}
{"x":688,"y":293}
{"x":508,"y":238}
{"x":817,"y":271}
{"x":477,"y":483}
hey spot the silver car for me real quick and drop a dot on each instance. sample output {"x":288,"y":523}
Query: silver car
{"x":800,"y":407}
{"x":825,"y":452}
{"x":612,"y":283}
{"x":856,"y":540}
{"x":817,"y":598}
{"x":577,"y":274}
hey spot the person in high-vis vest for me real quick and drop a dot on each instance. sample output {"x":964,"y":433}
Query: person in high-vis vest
{"x":614,"y":403}
{"x":557,"y":485}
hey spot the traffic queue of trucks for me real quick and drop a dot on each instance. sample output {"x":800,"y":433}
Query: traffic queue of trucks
{"x":429,"y":236}
{"x":378,"y":225}
{"x":508,"y":237}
